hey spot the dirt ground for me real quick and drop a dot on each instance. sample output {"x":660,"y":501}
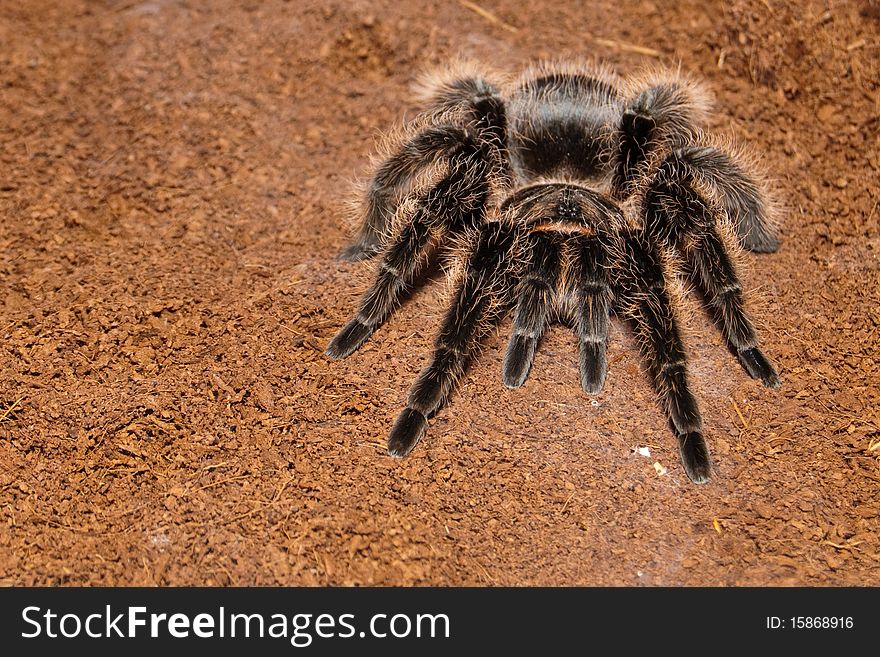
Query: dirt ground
{"x":172,"y":183}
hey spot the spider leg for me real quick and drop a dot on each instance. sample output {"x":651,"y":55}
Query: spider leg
{"x":477,"y":304}
{"x":536,"y":293}
{"x":423,"y":149}
{"x":455,"y":202}
{"x":482,"y":110}
{"x":717,"y":280}
{"x":479,"y":99}
{"x":594,"y":306}
{"x":401,"y":262}
{"x":683,"y":212}
{"x":739,"y":193}
{"x":646,"y":301}
{"x":664,"y":110}
{"x":635,"y":134}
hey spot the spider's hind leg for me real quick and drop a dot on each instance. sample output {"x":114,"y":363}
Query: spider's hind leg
{"x":452,"y":105}
{"x":400,"y":264}
{"x":425,"y":148}
{"x":687,"y":208}
{"x":716,"y":278}
{"x":664,"y":109}
{"x":738,"y":190}
{"x":456,"y":201}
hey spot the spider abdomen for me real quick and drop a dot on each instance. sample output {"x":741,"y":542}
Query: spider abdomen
{"x":559,"y":145}
{"x":563,"y":123}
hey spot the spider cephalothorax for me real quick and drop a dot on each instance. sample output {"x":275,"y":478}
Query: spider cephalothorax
{"x":567,"y":194}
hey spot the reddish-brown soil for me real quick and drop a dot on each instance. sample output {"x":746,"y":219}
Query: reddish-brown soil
{"x":172,"y":183}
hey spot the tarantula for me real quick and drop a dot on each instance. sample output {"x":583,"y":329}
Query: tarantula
{"x":568,"y":194}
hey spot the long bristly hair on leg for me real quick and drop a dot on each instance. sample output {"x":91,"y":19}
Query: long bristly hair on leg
{"x":445,"y":93}
{"x":734,"y":176}
{"x":401,"y":156}
{"x":679,"y":103}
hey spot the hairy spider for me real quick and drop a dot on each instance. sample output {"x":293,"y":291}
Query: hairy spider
{"x":566,"y":194}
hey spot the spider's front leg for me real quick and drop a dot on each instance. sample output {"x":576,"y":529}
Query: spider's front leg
{"x":477,"y":304}
{"x":645,"y":300}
